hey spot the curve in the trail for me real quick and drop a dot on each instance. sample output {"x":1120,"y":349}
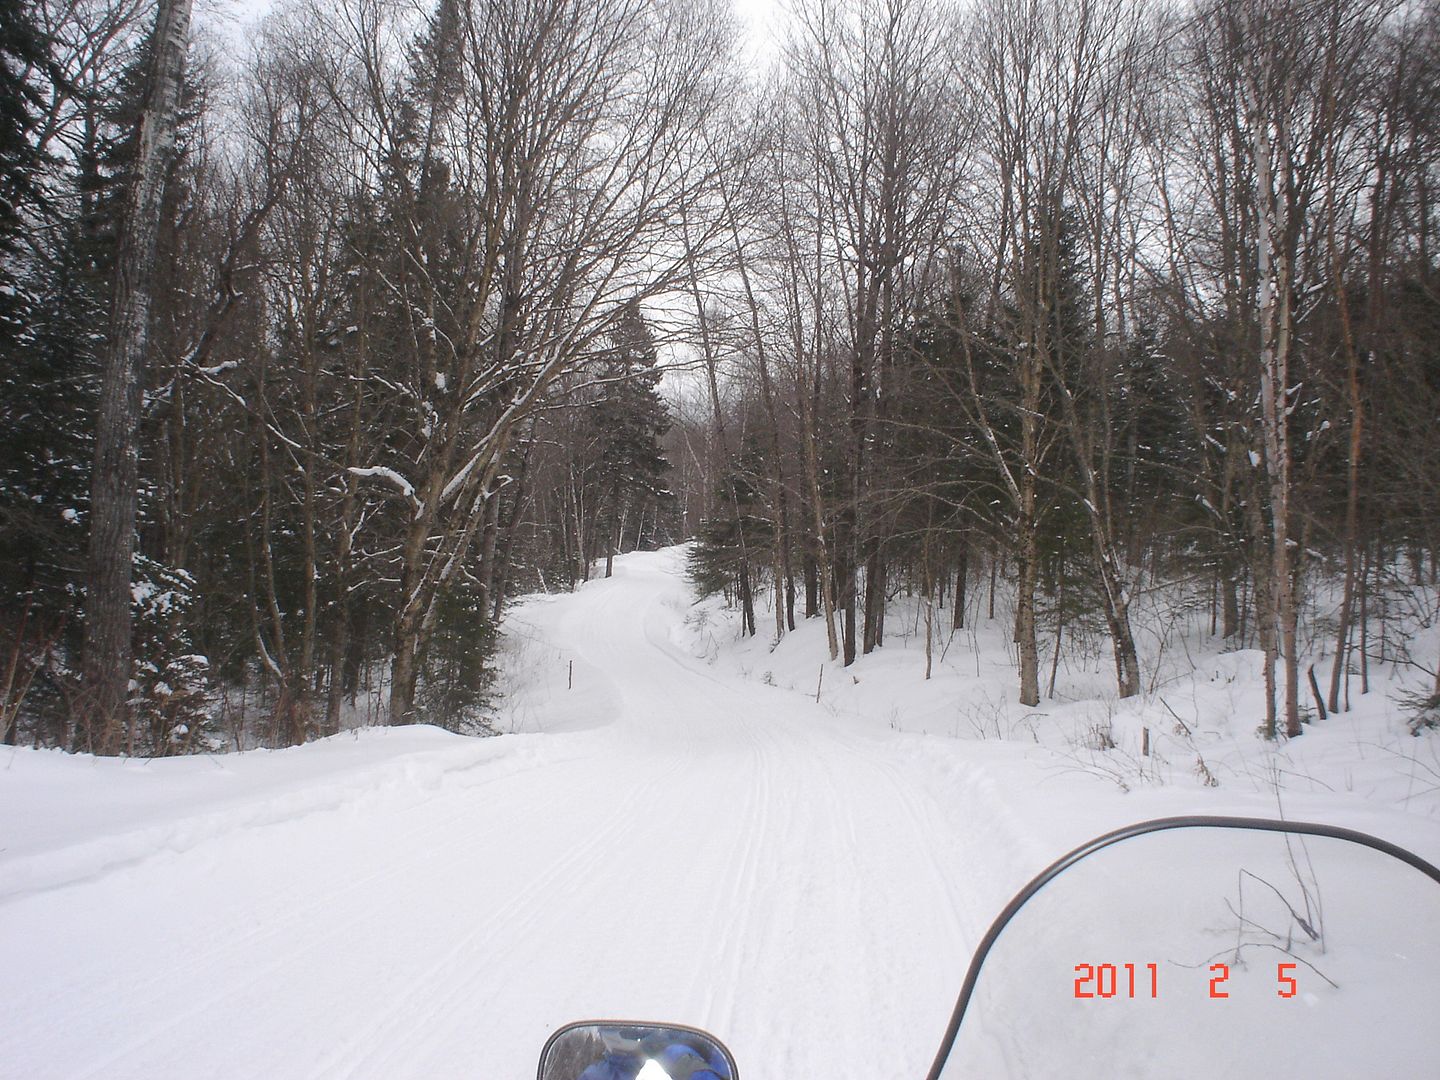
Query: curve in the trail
{"x":718,"y":854}
{"x":842,"y":884}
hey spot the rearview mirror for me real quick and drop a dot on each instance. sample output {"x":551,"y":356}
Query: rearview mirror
{"x":618,"y":1050}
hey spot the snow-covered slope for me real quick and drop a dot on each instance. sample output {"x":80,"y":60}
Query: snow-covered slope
{"x":664,"y":835}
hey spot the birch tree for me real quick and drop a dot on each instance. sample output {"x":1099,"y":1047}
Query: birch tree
{"x":1301,"y":71}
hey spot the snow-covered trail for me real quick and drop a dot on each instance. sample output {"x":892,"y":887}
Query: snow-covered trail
{"x":720,"y":853}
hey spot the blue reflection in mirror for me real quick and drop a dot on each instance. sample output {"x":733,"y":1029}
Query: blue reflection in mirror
{"x":611,"y":1050}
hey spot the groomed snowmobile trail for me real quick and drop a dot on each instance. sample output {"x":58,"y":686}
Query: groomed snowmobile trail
{"x":671,"y":843}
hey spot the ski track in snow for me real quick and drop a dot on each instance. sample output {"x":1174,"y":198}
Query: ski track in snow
{"x":720,"y":853}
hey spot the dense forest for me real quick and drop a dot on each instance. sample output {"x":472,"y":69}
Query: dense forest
{"x":318,"y":347}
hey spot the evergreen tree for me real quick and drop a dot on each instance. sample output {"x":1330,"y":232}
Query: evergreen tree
{"x":40,"y":478}
{"x":629,"y":419}
{"x":731,"y":547}
{"x":25,"y":413}
{"x":50,"y":380}
{"x":24,"y":58}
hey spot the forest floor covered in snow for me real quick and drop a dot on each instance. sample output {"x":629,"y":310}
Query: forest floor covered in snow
{"x":685,"y":825}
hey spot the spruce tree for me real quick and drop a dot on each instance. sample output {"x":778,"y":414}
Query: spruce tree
{"x":629,"y":419}
{"x":24,"y":58}
{"x":38,"y":479}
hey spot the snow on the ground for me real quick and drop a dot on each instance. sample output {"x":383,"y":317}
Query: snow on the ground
{"x":1202,"y":709}
{"x":676,"y":828}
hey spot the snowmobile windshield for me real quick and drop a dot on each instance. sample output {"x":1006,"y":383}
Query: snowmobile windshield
{"x":1200,"y":951}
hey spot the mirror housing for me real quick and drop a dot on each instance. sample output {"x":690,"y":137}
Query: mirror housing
{"x":624,"y":1050}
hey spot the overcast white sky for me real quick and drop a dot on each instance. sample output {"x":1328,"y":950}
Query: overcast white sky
{"x":761,"y":19}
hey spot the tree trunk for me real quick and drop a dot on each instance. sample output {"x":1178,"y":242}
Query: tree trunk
{"x":1113,"y":593}
{"x":1059,"y":633}
{"x":1357,"y":428}
{"x":747,"y":600}
{"x":610,"y":545}
{"x":339,"y":643}
{"x":874,"y":630}
{"x":1276,"y":317}
{"x":812,"y":585}
{"x":845,"y":576}
{"x":306,"y":669}
{"x":958,"y":601}
{"x":1229,"y":598}
{"x":489,"y":544}
{"x":1265,"y":612}
{"x":1028,"y":565}
{"x":404,"y":669}
{"x":927,"y":587}
{"x":826,"y":567}
{"x":1364,"y":624}
{"x":105,"y":675}
{"x":403,"y":674}
{"x":1117,"y":619}
{"x":994,"y":568}
{"x":359,"y":631}
{"x":518,"y":502}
